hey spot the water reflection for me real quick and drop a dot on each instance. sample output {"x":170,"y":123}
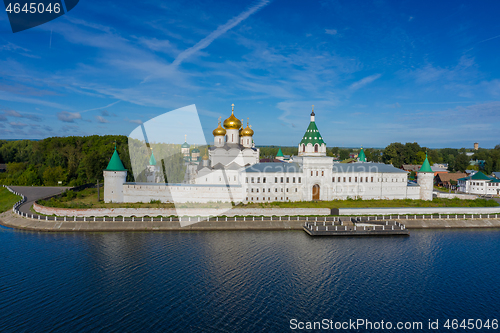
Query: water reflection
{"x":244,"y":281}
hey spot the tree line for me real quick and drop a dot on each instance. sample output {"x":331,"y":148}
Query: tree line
{"x":70,"y":160}
{"x":399,"y":154}
{"x":79,"y":160}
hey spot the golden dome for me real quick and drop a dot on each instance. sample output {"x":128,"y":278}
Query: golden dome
{"x":205,"y":157}
{"x":232,"y":122}
{"x":219,"y":131}
{"x":247,"y":131}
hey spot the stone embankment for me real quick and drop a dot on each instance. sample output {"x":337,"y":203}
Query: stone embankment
{"x":10,"y":219}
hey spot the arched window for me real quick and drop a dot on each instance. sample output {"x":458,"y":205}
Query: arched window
{"x":303,"y":147}
{"x":316,"y":148}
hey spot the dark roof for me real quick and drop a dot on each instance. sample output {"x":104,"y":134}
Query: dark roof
{"x":270,"y":160}
{"x":228,"y":146}
{"x":496,"y":174}
{"x":411,"y":167}
{"x":274,"y":167}
{"x":480,"y":176}
{"x":446,"y":177}
{"x":366,"y":167}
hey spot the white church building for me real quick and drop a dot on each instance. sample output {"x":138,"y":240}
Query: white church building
{"x":231,"y":172}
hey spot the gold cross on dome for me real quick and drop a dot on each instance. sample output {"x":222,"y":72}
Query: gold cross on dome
{"x":232,"y":105}
{"x":313,"y":107}
{"x":185,"y":137}
{"x":220,"y":118}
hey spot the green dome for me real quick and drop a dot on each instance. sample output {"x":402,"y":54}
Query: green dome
{"x":426,"y":167}
{"x":196,"y":150}
{"x":185,"y":145}
{"x":361,"y":155}
{"x":312,"y":135}
{"x":280,"y":153}
{"x":152,"y":159}
{"x":115,"y":164}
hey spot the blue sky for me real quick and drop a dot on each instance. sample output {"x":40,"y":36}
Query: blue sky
{"x":376,"y":71}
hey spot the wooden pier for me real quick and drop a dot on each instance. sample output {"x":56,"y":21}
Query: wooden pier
{"x":355,"y":227}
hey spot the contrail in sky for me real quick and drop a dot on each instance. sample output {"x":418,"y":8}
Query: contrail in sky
{"x":218,"y":32}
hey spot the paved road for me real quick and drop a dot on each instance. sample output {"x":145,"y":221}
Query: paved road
{"x":33,"y":193}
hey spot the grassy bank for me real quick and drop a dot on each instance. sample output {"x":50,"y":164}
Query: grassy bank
{"x":358,"y":203}
{"x":88,"y":199}
{"x":7,"y":199}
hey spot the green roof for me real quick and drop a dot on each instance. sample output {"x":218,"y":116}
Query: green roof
{"x":361,"y":155}
{"x":280,"y":153}
{"x":426,"y":167}
{"x":115,"y":164}
{"x":152,"y":159}
{"x":312,"y":135}
{"x":185,"y":145}
{"x":480,"y":176}
{"x":196,"y":150}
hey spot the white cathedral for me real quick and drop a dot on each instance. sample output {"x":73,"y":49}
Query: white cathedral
{"x":231,"y":172}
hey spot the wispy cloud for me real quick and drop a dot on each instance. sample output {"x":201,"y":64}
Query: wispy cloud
{"x":12,"y":113}
{"x":102,"y":107}
{"x":68,"y":117}
{"x":29,"y":100}
{"x":363,"y":82}
{"x":17,"y":124}
{"x":205,"y":42}
{"x":101,"y":119}
{"x":331,"y":31}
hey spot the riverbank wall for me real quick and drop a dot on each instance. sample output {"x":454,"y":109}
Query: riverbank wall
{"x":142,"y":212}
{"x":12,"y":220}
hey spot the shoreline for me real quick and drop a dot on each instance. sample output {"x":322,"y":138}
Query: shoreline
{"x":11,"y":220}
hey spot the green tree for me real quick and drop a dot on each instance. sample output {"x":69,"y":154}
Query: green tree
{"x":52,"y":175}
{"x":451,"y":163}
{"x":488,"y":166}
{"x":394,"y":154}
{"x":462,"y":162}
{"x":344,"y":154}
{"x":420,"y":158}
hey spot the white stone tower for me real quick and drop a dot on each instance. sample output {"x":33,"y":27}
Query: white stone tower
{"x":426,"y":180}
{"x":115,"y":176}
{"x":317,"y":167}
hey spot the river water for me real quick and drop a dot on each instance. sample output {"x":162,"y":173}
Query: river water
{"x":244,"y":281}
